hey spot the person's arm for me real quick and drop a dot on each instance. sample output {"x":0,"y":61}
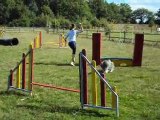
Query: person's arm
{"x":80,"y":29}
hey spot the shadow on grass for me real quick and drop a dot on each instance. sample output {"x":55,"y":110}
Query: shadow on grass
{"x":66,"y":110}
{"x":77,"y":111}
{"x":54,"y":47}
{"x":12,"y":92}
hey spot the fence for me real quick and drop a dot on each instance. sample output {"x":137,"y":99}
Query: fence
{"x":151,"y":39}
{"x":23,"y":29}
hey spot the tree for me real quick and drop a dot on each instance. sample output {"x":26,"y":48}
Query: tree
{"x":98,"y":8}
{"x":141,"y":15}
{"x":54,"y":5}
{"x":47,"y":11}
{"x":125,"y":12}
{"x":158,"y":17}
{"x":113,"y":13}
{"x":3,"y":14}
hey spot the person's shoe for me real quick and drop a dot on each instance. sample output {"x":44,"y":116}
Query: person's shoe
{"x":72,"y":63}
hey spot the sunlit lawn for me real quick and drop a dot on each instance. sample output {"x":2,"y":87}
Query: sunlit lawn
{"x":138,"y":87}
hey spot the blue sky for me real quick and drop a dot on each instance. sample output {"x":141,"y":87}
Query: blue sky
{"x":152,"y":5}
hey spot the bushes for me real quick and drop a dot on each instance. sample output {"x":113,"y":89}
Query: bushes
{"x":60,"y":23}
{"x":20,"y":22}
{"x":40,"y":21}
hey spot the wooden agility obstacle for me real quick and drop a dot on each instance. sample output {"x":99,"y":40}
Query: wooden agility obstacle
{"x":137,"y":53}
{"x":37,"y":43}
{"x":104,"y":87}
{"x":2,"y":32}
{"x":25,"y":69}
{"x":20,"y":71}
{"x":62,"y":43}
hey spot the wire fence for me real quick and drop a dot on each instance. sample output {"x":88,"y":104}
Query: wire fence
{"x":150,"y":38}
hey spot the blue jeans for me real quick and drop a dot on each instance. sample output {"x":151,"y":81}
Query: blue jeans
{"x":72,"y":45}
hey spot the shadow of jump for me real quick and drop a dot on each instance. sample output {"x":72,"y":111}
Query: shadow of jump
{"x":67,"y":110}
{"x":12,"y":92}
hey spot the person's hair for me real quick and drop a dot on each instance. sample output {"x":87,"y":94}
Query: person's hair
{"x":72,"y":26}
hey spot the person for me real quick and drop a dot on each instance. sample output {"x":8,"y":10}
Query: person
{"x":71,"y":37}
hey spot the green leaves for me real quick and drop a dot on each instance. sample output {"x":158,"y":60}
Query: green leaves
{"x":15,"y":12}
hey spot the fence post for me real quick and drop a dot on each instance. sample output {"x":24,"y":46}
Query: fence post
{"x":109,"y":36}
{"x":124,"y":36}
{"x":40,"y":39}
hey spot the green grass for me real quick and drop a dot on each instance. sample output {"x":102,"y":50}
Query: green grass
{"x":138,"y":87}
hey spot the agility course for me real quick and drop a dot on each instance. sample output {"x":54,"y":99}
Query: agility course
{"x":21,"y":78}
{"x":137,"y":53}
{"x":136,"y":87}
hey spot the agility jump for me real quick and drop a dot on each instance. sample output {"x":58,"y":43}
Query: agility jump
{"x":2,"y":32}
{"x":37,"y":43}
{"x":85,"y":87}
{"x":60,"y":43}
{"x":137,"y":53}
{"x":25,"y":68}
{"x":18,"y":76}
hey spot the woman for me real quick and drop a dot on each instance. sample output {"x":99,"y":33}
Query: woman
{"x":71,"y":37}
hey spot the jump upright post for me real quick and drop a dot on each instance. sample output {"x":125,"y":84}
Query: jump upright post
{"x":62,"y":42}
{"x":138,"y":50}
{"x":37,"y":43}
{"x":137,"y":53}
{"x":96,"y":47}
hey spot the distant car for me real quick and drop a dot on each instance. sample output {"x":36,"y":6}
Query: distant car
{"x":158,"y":29}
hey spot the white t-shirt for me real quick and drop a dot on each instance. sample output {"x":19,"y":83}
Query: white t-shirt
{"x":72,"y":35}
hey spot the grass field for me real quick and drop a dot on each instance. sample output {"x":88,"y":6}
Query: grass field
{"x":138,"y":87}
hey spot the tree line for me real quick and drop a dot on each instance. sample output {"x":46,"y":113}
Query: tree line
{"x":60,"y":13}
